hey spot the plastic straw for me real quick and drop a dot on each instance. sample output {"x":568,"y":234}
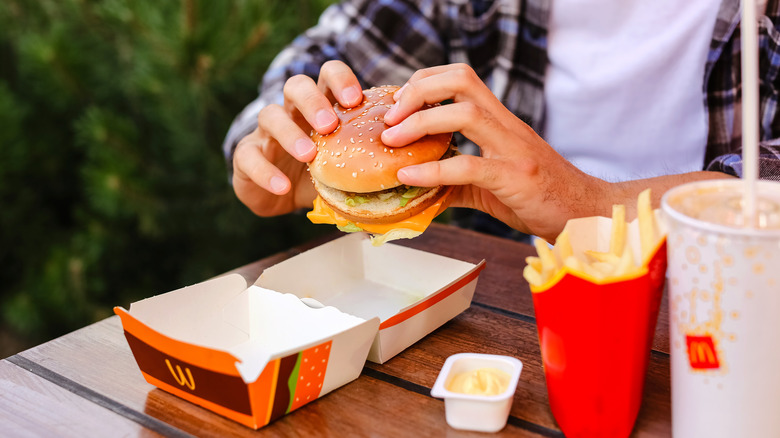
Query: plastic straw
{"x":749,"y":109}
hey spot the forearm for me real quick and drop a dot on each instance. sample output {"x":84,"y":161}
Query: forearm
{"x":626,"y":193}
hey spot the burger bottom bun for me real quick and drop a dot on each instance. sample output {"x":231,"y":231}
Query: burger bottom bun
{"x":380,"y":207}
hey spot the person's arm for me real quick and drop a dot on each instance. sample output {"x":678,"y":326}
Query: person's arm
{"x":519,"y":179}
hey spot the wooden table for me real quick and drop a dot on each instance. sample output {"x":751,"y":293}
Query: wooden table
{"x":86,"y":383}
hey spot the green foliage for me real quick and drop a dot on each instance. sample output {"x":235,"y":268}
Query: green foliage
{"x":112,"y":182}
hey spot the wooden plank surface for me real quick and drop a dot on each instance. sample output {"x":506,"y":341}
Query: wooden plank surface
{"x":387,"y":400}
{"x":32,"y":406}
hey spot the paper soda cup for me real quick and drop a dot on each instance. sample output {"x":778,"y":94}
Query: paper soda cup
{"x":595,"y":337}
{"x":724,"y":310}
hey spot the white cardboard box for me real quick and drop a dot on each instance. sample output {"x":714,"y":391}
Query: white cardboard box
{"x":306,"y":327}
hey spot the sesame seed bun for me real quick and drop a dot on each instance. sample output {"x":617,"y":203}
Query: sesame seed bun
{"x":355,"y":173}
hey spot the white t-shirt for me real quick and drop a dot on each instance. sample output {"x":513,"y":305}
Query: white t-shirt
{"x":624,"y":88}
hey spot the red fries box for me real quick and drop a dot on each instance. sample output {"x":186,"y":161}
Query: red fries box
{"x":596,"y":334}
{"x":256,"y":352}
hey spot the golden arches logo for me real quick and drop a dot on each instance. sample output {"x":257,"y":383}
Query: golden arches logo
{"x":179,"y":376}
{"x":701,"y":352}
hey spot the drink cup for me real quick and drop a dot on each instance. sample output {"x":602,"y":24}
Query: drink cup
{"x":724,"y":310}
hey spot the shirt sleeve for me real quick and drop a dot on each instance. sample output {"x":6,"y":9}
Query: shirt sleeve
{"x":384,"y":42}
{"x":768,"y":161}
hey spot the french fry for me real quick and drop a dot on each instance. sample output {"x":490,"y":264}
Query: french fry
{"x":618,"y":238}
{"x":534,"y":262}
{"x":606,"y":257}
{"x":573,"y":263}
{"x":626,"y":262}
{"x":563,"y":245}
{"x":617,"y":261}
{"x":532,"y":276}
{"x":606,"y":269}
{"x":646,"y":223}
{"x":549,"y":262}
{"x":591,"y":270}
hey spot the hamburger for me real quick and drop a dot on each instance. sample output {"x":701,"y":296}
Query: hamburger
{"x":355,"y":174}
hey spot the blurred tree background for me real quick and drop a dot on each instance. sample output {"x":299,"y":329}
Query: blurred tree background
{"x":112,"y":183}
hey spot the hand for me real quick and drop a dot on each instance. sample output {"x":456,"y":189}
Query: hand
{"x":269,"y":165}
{"x":519,"y":179}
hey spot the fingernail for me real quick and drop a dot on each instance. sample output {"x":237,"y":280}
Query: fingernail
{"x":397,"y":94}
{"x":409,"y":172}
{"x":303,"y":147}
{"x":389,"y":133}
{"x":391,"y":112}
{"x":323,"y":119}
{"x":278,"y":184}
{"x":352,"y":95}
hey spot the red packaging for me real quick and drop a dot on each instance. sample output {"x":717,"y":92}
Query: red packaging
{"x":595,"y":339}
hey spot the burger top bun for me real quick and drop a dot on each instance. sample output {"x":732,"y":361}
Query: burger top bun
{"x":353,"y":158}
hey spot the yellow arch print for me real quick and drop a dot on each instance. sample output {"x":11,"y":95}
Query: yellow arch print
{"x":178,"y":375}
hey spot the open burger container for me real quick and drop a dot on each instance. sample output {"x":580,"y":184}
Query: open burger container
{"x":595,"y":337}
{"x":253,"y":353}
{"x":483,"y":413}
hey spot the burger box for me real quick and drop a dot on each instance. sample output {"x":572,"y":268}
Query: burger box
{"x":253,"y":353}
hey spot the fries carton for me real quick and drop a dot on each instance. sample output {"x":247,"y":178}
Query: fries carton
{"x":596,"y":333}
{"x":256,"y":352}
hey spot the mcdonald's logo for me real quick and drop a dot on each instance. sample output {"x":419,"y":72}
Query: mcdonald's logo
{"x":179,"y":376}
{"x":701,"y":352}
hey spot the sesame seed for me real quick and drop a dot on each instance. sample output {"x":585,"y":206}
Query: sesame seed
{"x":371,"y":128}
{"x":371,"y":140}
{"x":350,"y":156}
{"x":380,"y":164}
{"x":345,"y":148}
{"x":391,"y":151}
{"x":338,"y":154}
{"x":354,"y":174}
{"x":338,"y":140}
{"x":352,"y":140}
{"x":324,"y":163}
{"x":362,"y":170}
{"x":371,"y":154}
{"x":410,"y":154}
{"x":360,"y":134}
{"x":385,"y":149}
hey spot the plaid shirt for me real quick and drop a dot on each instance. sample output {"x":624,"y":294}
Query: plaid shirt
{"x":504,"y":41}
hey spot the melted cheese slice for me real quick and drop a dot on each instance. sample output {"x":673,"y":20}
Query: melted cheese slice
{"x":405,"y":229}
